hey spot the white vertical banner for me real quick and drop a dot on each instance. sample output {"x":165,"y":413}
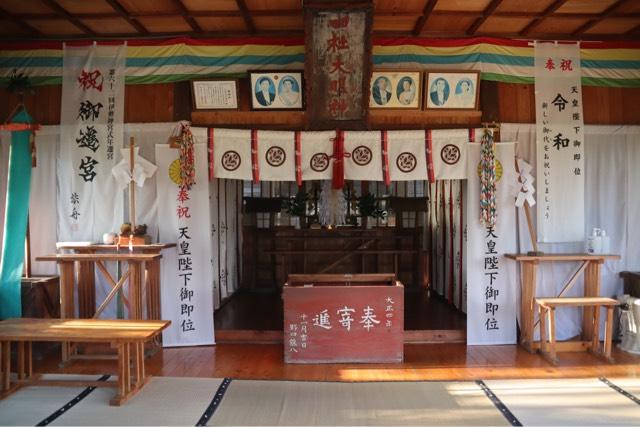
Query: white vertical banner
{"x":183,"y":217}
{"x":491,"y":280}
{"x":91,"y":133}
{"x":559,"y":143}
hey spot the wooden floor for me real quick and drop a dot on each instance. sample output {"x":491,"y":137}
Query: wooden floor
{"x":250,"y":310}
{"x":421,"y":362}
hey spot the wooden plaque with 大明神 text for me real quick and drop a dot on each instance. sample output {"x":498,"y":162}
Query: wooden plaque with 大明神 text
{"x":338,"y":63}
{"x":331,"y":318}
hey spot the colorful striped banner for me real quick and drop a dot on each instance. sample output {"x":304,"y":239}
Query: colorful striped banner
{"x":615,"y":64}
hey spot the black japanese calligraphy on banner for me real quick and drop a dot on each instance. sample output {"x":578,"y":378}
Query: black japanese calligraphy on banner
{"x":559,"y":143}
{"x":187,"y":273}
{"x":92,"y":115}
{"x":491,"y":294}
{"x":338,"y":65}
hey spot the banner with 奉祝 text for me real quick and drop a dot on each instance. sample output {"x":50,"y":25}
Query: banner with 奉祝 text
{"x":187,"y":273}
{"x":559,"y":143}
{"x":91,"y":134}
{"x":491,"y":290}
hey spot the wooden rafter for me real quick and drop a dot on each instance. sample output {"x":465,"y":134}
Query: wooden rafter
{"x":185,"y":14}
{"x":10,"y":17}
{"x":634,"y":31}
{"x":246,"y":16}
{"x":428,"y":8}
{"x":605,"y":14}
{"x":61,"y":11}
{"x":536,"y":21}
{"x":487,"y":12}
{"x":298,"y":12}
{"x":122,"y":12}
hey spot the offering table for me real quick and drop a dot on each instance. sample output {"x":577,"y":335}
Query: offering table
{"x":134,"y":275}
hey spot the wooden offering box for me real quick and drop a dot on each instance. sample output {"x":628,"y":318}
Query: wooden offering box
{"x":331,"y":318}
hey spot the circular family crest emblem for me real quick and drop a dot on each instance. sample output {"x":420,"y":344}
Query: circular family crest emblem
{"x":319,"y":162}
{"x":275,"y":156}
{"x":499,"y":170}
{"x":406,"y":162}
{"x":450,"y":154}
{"x":361,"y":155}
{"x":231,"y":160}
{"x":174,"y":172}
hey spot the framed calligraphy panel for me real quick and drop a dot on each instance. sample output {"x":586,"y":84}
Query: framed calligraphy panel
{"x":214,"y":94}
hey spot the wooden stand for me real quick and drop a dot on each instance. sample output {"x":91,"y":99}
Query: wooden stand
{"x":123,"y":335}
{"x":547,"y":311}
{"x":590,"y":265}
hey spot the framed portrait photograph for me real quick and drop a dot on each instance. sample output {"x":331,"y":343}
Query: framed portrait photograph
{"x":214,"y":94}
{"x":276,"y":90}
{"x":452,"y":90}
{"x":395,"y":89}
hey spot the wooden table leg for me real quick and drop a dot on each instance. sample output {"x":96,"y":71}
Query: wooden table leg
{"x":29,"y":356}
{"x":591,"y":289}
{"x":86,"y":289}
{"x":542,"y":315}
{"x":595,"y":333}
{"x":527,"y":303}
{"x":608,"y":333}
{"x":552,"y":333}
{"x":21,"y":364}
{"x":6,"y":365}
{"x":153,"y":289}
{"x":67,"y":284}
{"x":135,"y":284}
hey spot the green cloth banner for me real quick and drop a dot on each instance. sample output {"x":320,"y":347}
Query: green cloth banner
{"x":15,"y":220}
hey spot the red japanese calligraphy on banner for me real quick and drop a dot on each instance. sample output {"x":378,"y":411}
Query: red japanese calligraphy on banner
{"x":339,"y":66}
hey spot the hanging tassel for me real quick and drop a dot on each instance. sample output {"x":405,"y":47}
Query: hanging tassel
{"x":488,"y":211}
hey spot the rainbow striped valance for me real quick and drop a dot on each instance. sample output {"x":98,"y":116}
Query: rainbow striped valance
{"x":614,"y":64}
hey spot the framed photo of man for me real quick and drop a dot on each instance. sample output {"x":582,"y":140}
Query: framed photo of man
{"x":395,"y":89}
{"x":276,"y":90}
{"x":452,"y":90}
{"x":214,"y":94}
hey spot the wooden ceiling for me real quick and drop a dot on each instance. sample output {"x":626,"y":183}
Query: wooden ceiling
{"x":523,"y":19}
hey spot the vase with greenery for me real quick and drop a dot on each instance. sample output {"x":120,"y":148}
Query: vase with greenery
{"x":368,"y":206}
{"x":296,"y":206}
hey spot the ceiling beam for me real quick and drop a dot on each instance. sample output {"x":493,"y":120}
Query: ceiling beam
{"x":486,"y":13}
{"x":538,"y":19}
{"x":248,"y":21}
{"x":298,"y":12}
{"x":186,"y":16}
{"x":61,"y":11}
{"x":604,"y":14}
{"x":428,"y":8}
{"x":11,"y":17}
{"x":122,"y":12}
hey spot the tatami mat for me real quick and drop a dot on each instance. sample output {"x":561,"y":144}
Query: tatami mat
{"x":566,"y":402}
{"x":379,"y":403}
{"x":30,"y":405}
{"x":163,"y":401}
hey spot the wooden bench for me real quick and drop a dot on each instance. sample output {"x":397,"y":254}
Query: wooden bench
{"x":547,"y":307}
{"x":127,"y":336}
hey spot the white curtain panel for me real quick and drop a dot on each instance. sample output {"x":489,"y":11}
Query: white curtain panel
{"x":612,"y":179}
